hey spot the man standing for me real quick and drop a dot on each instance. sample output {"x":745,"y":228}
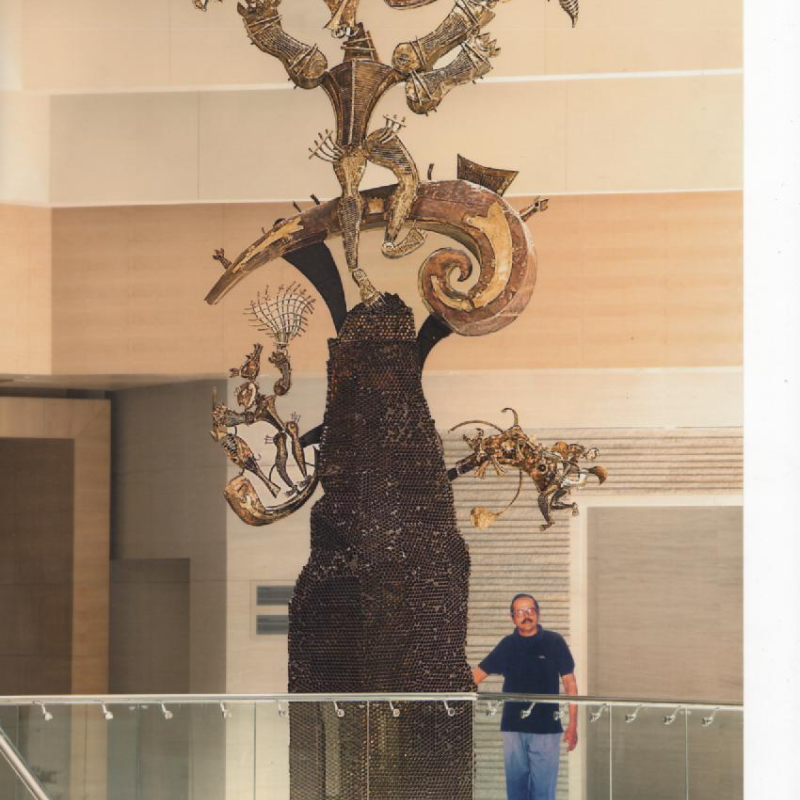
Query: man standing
{"x":531,"y":660}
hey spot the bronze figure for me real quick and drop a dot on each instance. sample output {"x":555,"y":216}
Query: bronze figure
{"x":555,"y":470}
{"x":283,"y":317}
{"x":354,"y":88}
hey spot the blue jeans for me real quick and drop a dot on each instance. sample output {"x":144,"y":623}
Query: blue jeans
{"x":531,"y":761}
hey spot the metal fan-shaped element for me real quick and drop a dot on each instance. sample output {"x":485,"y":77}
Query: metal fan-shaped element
{"x":285,"y":316}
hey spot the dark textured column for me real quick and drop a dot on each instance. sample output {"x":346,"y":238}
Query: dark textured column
{"x":381,"y":605}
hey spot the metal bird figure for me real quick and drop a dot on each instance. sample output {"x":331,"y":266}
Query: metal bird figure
{"x":252,"y":365}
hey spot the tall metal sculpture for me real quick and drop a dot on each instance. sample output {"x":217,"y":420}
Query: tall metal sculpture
{"x":381,"y":605}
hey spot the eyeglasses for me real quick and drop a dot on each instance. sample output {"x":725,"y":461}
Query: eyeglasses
{"x":523,"y":612}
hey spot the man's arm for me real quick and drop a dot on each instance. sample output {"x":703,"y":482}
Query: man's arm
{"x":479,"y":675}
{"x":571,"y":733}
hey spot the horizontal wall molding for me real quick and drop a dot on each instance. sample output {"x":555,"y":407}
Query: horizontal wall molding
{"x":285,"y":86}
{"x":324,"y":198}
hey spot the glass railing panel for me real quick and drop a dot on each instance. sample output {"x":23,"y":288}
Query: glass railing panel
{"x":164,"y":751}
{"x":224,"y":751}
{"x":592,"y":765}
{"x":9,"y":726}
{"x":345,"y":748}
{"x":45,"y":742}
{"x":89,"y":746}
{"x":243,"y":748}
{"x":649,"y":753}
{"x":272,"y":751}
{"x":194,"y":751}
{"x":715,"y":755}
{"x":122,"y":762}
{"x":487,"y":741}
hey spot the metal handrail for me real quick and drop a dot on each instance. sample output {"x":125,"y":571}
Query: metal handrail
{"x":473,"y":697}
{"x":21,"y":769}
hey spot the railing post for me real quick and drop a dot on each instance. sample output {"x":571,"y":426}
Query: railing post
{"x":20,"y":768}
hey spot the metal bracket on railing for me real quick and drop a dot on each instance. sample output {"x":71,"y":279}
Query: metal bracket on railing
{"x":670,"y":718}
{"x":526,"y":712}
{"x":166,"y":712}
{"x":339,"y":711}
{"x":451,"y":712}
{"x":283,"y":712}
{"x":633,"y":715}
{"x":107,"y":715}
{"x":595,"y":715}
{"x":557,"y":715}
{"x":395,"y":711}
{"x":709,"y":720}
{"x":225,"y":713}
{"x":45,"y":713}
{"x":491,"y":708}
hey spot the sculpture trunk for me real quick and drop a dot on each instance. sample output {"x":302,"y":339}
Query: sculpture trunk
{"x":381,"y":605}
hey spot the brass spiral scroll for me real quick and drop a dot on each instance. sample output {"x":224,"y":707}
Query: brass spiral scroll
{"x":474,"y":216}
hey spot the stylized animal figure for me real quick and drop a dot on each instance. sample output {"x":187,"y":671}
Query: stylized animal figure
{"x":556,"y":470}
{"x":354,"y":88}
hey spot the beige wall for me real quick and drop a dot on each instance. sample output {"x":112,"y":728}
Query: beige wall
{"x":664,"y":616}
{"x":161,"y":43}
{"x":646,"y":280}
{"x":168,"y":479}
{"x":638,"y":134}
{"x":25,"y":150}
{"x":149,"y":626}
{"x":26,"y":299}
{"x":11,"y":44}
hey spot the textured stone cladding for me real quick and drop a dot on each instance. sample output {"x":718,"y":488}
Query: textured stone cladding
{"x":381,"y":605}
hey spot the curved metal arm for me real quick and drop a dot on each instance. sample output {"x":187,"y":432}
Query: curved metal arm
{"x":424,"y":91}
{"x":465,"y":19}
{"x":304,"y":63}
{"x":476,"y":217}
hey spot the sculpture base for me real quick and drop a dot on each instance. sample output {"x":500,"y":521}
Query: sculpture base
{"x":381,"y":605}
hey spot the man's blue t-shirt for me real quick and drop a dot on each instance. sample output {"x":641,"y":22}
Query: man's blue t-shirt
{"x":530,"y":665}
